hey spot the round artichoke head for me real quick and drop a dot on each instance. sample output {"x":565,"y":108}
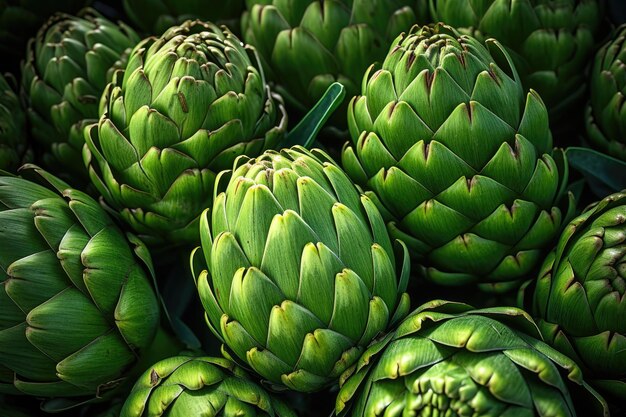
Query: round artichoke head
{"x":447,"y":359}
{"x":301,"y":273}
{"x":579,"y":298}
{"x":13,"y":144}
{"x":200,"y":387}
{"x":306,"y":45}
{"x":76,"y":303}
{"x":186,"y":106}
{"x":605,"y":116}
{"x":550,"y":41}
{"x":156,"y":16}
{"x":458,"y":157}
{"x":67,"y":67}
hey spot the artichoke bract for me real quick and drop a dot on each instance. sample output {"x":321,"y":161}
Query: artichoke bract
{"x":77,"y":307}
{"x":200,"y":387}
{"x":578,"y":298}
{"x":301,"y":272}
{"x":156,"y":16}
{"x":605,"y":115}
{"x":186,"y":106}
{"x":550,"y":41}
{"x":67,"y":67}
{"x":447,"y":359}
{"x":458,"y":158}
{"x":13,"y":143}
{"x":307,"y":45}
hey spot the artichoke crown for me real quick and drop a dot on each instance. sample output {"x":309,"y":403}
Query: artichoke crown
{"x":605,"y":113}
{"x":449,"y":359}
{"x":210,"y":386}
{"x":580,"y":295}
{"x":307,"y":45}
{"x":301,"y":272}
{"x":457,"y":157}
{"x":551,"y":41}
{"x":67,"y":67}
{"x":76,"y":302}
{"x":186,"y":106}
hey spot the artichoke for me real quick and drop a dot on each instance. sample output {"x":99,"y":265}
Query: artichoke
{"x":579,"y":298}
{"x":458,"y":158}
{"x":76,"y":303}
{"x":19,"y":21}
{"x":156,"y":16}
{"x":13,"y":144}
{"x":550,"y":41}
{"x":447,"y":359}
{"x":66,"y":69}
{"x":186,"y":106}
{"x":200,"y":387}
{"x":306,"y":45}
{"x":301,"y":273}
{"x":605,"y":116}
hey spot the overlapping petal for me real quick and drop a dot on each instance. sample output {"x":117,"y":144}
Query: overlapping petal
{"x":579,"y":297}
{"x":459,"y":157}
{"x":66,"y":70}
{"x":186,"y":106}
{"x":200,"y":386}
{"x":307,"y":45}
{"x":449,"y":359}
{"x":301,"y":271}
{"x":605,"y":115}
{"x":77,"y":307}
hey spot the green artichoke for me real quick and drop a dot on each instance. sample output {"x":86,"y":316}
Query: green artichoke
{"x":67,"y":67}
{"x":550,"y":41}
{"x":605,"y":116}
{"x":76,"y":303}
{"x":459,"y":159}
{"x":186,"y":106}
{"x":447,"y":359}
{"x":579,"y":298}
{"x":156,"y":16}
{"x":19,"y":21}
{"x":200,"y":387}
{"x":13,"y":144}
{"x":306,"y":45}
{"x":301,"y":273}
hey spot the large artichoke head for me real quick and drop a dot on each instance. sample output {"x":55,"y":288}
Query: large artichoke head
{"x":156,"y":16}
{"x":459,"y":158}
{"x":550,"y":41}
{"x":447,"y":359}
{"x":186,"y":106}
{"x":200,"y":387}
{"x":301,"y":272}
{"x":77,"y":307}
{"x":306,"y":45}
{"x":605,"y":116}
{"x":67,"y":67}
{"x":579,"y":298}
{"x":13,"y":145}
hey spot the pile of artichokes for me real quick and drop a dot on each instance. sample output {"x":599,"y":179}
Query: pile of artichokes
{"x":299,"y":208}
